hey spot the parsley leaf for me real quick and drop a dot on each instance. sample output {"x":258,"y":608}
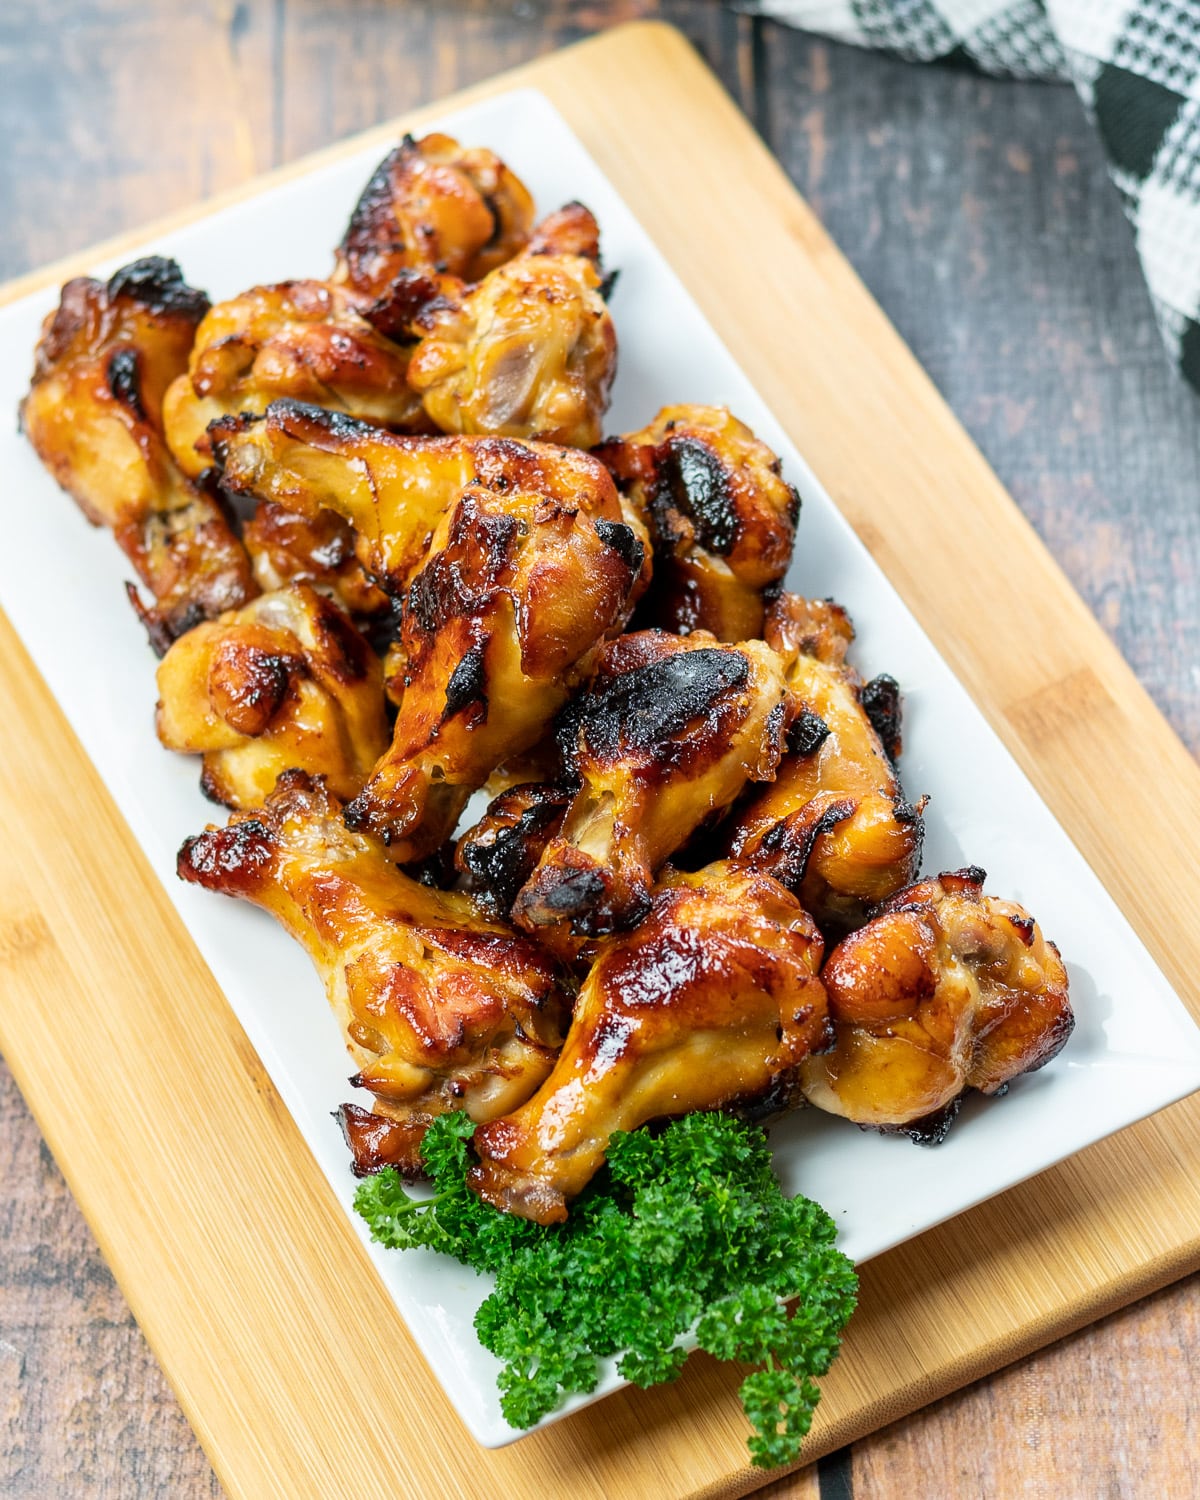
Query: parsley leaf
{"x":685,"y":1232}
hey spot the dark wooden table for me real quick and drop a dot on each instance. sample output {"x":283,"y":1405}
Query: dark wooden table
{"x":980,"y":216}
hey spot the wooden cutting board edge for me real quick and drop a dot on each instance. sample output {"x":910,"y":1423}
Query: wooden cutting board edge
{"x":1116,"y":1222}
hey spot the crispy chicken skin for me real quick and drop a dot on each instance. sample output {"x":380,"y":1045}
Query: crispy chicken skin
{"x":531,"y":351}
{"x":945,"y":990}
{"x":528,"y":571}
{"x":433,"y":205}
{"x":833,"y":825}
{"x":665,"y":737}
{"x":94,"y":414}
{"x":570,"y":230}
{"x":391,"y":488}
{"x":497,"y":855}
{"x":711,"y":1001}
{"x":285,"y":547}
{"x":441,"y":1008}
{"x":286,"y":681}
{"x":304,"y":340}
{"x":722,"y":519}
{"x":394,"y":489}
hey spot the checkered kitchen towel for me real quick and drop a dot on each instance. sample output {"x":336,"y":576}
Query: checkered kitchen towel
{"x":1136,"y":65}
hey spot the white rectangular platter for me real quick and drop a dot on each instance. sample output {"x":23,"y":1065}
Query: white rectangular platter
{"x":1135,"y":1049}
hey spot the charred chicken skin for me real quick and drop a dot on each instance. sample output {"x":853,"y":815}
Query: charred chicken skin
{"x":722,"y":519}
{"x":497,"y":855}
{"x":94,"y":413}
{"x":303,"y":340}
{"x":833,"y":825}
{"x":531,"y":351}
{"x":308,"y":461}
{"x":441,"y":1009}
{"x":286,"y":681}
{"x":713,"y":1000}
{"x":394,"y":489}
{"x":527,"y":573}
{"x":513,"y":562}
{"x":433,"y":205}
{"x":667,"y":734}
{"x":945,"y":990}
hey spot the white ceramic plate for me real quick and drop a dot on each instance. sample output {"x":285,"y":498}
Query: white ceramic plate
{"x":1135,"y":1049}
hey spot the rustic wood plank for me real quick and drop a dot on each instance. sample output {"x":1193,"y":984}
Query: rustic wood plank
{"x":981,"y":217}
{"x":249,"y":38}
{"x":84,"y":1409}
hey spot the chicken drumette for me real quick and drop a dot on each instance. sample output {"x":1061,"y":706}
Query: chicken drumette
{"x":526,"y":564}
{"x":498,"y":626}
{"x":303,"y":340}
{"x":435,"y":206}
{"x":833,"y":825}
{"x":94,"y":414}
{"x":286,"y":681}
{"x":309,"y":461}
{"x":712,"y":1000}
{"x":945,"y":990}
{"x":531,"y":351}
{"x":721,"y":518}
{"x":665,"y":737}
{"x":441,"y":1009}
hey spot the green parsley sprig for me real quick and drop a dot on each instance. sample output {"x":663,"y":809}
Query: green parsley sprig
{"x":686,"y":1230}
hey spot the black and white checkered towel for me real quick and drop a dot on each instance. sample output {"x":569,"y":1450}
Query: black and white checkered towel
{"x":1136,"y":65}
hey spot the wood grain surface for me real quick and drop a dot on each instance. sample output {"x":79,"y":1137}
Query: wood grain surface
{"x":978,"y":213}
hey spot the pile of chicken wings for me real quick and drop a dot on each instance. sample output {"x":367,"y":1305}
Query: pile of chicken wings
{"x":388,"y":562}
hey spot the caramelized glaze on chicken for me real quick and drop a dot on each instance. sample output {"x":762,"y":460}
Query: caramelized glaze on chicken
{"x":833,"y":825}
{"x":308,"y":461}
{"x":303,"y":340}
{"x":527,"y":573}
{"x":433,"y":205}
{"x":285,"y":548}
{"x":497,"y":855}
{"x":945,"y":990}
{"x":711,"y":1001}
{"x":531,"y":351}
{"x":666,"y":735}
{"x":722,"y":519}
{"x":94,"y":414}
{"x":441,"y":1009}
{"x":286,"y":681}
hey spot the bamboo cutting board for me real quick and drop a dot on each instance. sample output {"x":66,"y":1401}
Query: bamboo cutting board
{"x":288,"y":1357}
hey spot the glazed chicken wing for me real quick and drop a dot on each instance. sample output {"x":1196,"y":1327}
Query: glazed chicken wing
{"x":711,"y":1001}
{"x":833,"y":825}
{"x":392,"y":489}
{"x":94,"y":414}
{"x":531,"y":351}
{"x":527,"y":564}
{"x":527,"y":573}
{"x":496,"y":856}
{"x":722,"y":520}
{"x":303,"y":340}
{"x":285,"y":548}
{"x":946,"y":989}
{"x":664,"y":738}
{"x":441,"y":1009}
{"x":433,"y":205}
{"x":286,"y":681}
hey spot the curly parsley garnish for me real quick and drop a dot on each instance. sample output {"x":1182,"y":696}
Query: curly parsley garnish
{"x":686,"y":1230}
